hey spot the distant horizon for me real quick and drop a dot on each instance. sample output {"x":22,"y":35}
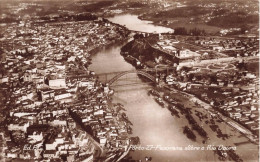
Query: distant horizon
{"x":55,"y":0}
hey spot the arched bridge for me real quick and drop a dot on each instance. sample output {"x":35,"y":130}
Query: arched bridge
{"x":140,"y":72}
{"x":110,"y":78}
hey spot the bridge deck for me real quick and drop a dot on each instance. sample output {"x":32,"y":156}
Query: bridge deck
{"x":134,"y":70}
{"x":117,"y":75}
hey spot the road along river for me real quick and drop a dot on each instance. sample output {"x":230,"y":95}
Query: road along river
{"x":160,"y":133}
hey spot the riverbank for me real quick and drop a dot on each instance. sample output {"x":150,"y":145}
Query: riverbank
{"x":112,"y":106}
{"x":153,"y":124}
{"x":142,"y":105}
{"x":208,"y":108}
{"x":133,"y":23}
{"x":72,"y":103}
{"x":182,"y":23}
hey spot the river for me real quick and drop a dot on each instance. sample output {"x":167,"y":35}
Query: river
{"x":152,"y":123}
{"x":133,"y":23}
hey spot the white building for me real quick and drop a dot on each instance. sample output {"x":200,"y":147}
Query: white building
{"x":62,"y":96}
{"x":57,"y":83}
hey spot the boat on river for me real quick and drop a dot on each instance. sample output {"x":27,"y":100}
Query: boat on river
{"x":148,"y":158}
{"x":189,"y":133}
{"x":153,"y":92}
{"x":221,"y":153}
{"x":160,"y":101}
{"x":173,"y":111}
{"x":169,"y":99}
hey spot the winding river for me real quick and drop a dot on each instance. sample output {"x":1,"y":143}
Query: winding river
{"x":152,"y":123}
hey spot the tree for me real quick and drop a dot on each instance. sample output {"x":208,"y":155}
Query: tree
{"x":137,"y":36}
{"x":180,"y":31}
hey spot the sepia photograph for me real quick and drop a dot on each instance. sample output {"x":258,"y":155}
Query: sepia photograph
{"x":129,"y":80}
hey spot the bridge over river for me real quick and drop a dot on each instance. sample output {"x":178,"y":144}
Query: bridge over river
{"x":111,"y":77}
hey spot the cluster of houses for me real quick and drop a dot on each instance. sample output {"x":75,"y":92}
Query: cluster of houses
{"x":207,"y":47}
{"x":46,"y":133}
{"x":173,"y":47}
{"x":41,"y":65}
{"x":234,"y":93}
{"x":201,"y":48}
{"x":231,"y":47}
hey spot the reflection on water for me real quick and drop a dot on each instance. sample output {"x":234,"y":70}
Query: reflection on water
{"x":133,"y":23}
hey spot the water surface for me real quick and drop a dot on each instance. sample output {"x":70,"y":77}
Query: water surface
{"x":133,"y":23}
{"x":152,"y":123}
